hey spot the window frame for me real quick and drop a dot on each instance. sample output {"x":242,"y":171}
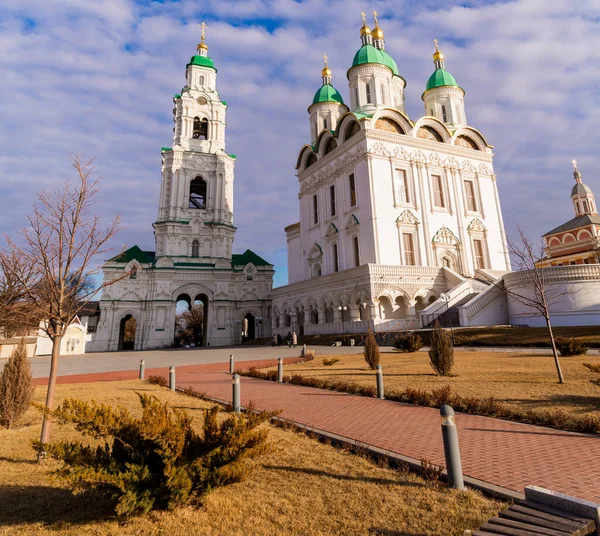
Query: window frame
{"x":442,"y":192}
{"x":405,"y":251}
{"x":352,"y":188}
{"x":402,"y":186}
{"x":473,"y":197}
{"x":356,"y":248}
{"x":315,"y":209}
{"x":368,"y":93}
{"x":332,"y":203}
{"x":335,"y":253}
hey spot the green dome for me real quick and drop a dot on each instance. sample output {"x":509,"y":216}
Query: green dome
{"x":327,"y":93}
{"x":440,"y":78}
{"x":370,"y":54}
{"x":202,"y":61}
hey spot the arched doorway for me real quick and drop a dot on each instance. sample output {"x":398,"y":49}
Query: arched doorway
{"x":191,"y":320}
{"x":127,"y":333}
{"x":249,"y":328}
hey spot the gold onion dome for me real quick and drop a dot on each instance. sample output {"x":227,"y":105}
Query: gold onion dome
{"x":377,"y":31}
{"x":365,"y":30}
{"x":326,"y":71}
{"x":437,"y":55}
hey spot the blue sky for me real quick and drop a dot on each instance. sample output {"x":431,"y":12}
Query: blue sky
{"x":98,"y":76}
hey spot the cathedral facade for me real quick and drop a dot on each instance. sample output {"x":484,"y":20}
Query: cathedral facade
{"x":194,"y":232}
{"x":399,"y":218}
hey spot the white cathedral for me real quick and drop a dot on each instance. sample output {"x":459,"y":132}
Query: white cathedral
{"x":400,"y":219}
{"x":194,"y":232}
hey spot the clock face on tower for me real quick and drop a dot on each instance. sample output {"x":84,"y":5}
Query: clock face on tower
{"x":201,"y":101}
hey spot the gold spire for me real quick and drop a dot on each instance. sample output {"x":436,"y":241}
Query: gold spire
{"x":365,"y":30}
{"x":437,"y":55}
{"x":377,"y":31}
{"x":326,"y":70}
{"x":574,"y":162}
{"x":202,"y":45}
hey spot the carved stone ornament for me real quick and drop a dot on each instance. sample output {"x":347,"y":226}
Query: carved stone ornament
{"x":476,"y":225}
{"x":201,"y":100}
{"x":315,"y":253}
{"x":445,"y":236}
{"x":419,"y":157}
{"x":401,"y":154}
{"x":483,"y":169}
{"x":334,"y":169}
{"x":467,"y":166}
{"x":407,"y":218}
{"x":332,"y":232}
{"x":351,"y":222}
{"x":451,"y":163}
{"x":379,"y":149}
{"x":434,"y":158}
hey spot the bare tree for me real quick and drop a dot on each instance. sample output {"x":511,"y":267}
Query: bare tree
{"x":15,"y":316}
{"x":60,"y":245}
{"x":541,"y":295}
{"x":190,"y":324}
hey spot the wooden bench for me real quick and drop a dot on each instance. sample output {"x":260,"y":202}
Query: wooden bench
{"x":528,"y":518}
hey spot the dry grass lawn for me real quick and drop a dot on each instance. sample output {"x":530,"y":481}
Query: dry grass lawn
{"x":300,"y":487}
{"x":519,"y":380}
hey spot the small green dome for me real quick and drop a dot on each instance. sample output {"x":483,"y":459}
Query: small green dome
{"x":327,"y":93}
{"x":370,"y":54}
{"x":440,"y":78}
{"x":202,"y":61}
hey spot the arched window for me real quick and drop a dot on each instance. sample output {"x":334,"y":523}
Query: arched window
{"x":195,"y":248}
{"x":444,"y":114}
{"x":325,"y":123}
{"x":197,"y":193}
{"x":368,"y":88}
{"x":353,"y":129}
{"x":331,"y":145}
{"x":201,"y":80}
{"x":200,"y":129}
{"x":133,"y":273}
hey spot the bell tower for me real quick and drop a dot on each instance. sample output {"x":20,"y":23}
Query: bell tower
{"x":195,"y":215}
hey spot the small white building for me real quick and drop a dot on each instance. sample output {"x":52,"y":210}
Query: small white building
{"x":394,"y":212}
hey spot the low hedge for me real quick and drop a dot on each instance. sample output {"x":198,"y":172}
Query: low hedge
{"x":487,"y":407}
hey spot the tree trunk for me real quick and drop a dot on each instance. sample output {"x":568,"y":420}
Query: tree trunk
{"x":45,"y":435}
{"x":556,"y":361}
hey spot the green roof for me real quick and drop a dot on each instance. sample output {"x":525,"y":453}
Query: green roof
{"x":440,"y":78}
{"x":327,"y":93}
{"x":165,"y":149}
{"x":370,"y":54}
{"x":248,"y":256}
{"x":134,"y":253}
{"x":202,"y":61}
{"x":177,"y":96}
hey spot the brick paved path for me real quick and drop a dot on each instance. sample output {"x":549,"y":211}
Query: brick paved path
{"x":506,"y":454}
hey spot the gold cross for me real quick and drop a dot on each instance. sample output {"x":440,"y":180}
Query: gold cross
{"x":574,"y":163}
{"x":436,"y":43}
{"x":364,"y":17}
{"x":203,"y":26}
{"x":325,"y":58}
{"x":375,"y":16}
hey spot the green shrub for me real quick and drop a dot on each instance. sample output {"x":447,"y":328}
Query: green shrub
{"x":408,"y":342}
{"x":570,"y":346}
{"x":441,"y":352}
{"x":330,"y":362}
{"x":371,"y":350}
{"x":157,"y":461}
{"x":16,"y":387}
{"x":158,"y":380}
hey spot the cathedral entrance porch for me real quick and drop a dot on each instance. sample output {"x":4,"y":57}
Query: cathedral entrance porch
{"x":191,"y":320}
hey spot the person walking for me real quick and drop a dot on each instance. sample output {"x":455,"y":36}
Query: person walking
{"x":289,"y":339}
{"x":274,"y":340}
{"x":294,"y":339}
{"x":279,"y":339}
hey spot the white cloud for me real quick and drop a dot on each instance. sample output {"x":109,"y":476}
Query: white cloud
{"x":97,"y":76}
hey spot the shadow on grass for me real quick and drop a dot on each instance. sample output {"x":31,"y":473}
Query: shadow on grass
{"x":48,"y":505}
{"x":27,"y":461}
{"x":586,"y":403}
{"x":529,"y":432}
{"x":320,"y":473}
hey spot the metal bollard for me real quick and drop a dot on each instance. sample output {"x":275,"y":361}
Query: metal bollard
{"x":172,"y":378}
{"x":304,"y":350}
{"x":280,"y":370}
{"x":379,"y":375}
{"x":236,"y":394}
{"x":142,"y":368}
{"x":230,"y":363}
{"x":451,"y":449}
